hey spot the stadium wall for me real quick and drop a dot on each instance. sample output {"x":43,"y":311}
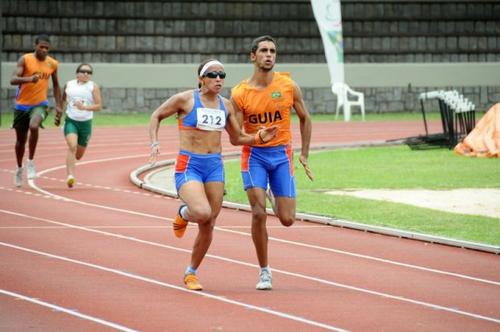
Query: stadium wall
{"x":388,"y":87}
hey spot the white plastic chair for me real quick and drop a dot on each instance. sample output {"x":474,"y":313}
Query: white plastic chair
{"x":344,"y":99}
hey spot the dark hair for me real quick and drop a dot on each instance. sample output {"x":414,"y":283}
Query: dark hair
{"x":42,"y":37}
{"x":200,"y":67}
{"x":256,"y":41}
{"x":83,"y":64}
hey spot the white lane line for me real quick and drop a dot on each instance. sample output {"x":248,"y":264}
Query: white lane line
{"x":67,"y":311}
{"x":48,"y":170}
{"x":297,"y":275}
{"x":97,"y":146}
{"x":310,"y":246}
{"x":163,"y":284}
{"x":129,"y":227}
{"x":88,"y":226}
{"x":135,"y":192}
{"x":377,"y":259}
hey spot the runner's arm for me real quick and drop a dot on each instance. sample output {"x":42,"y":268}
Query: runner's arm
{"x":58,"y":116}
{"x":305,"y":128}
{"x":17,"y":76}
{"x":58,"y":98}
{"x":57,"y":92}
{"x":173,"y":105}
{"x":236,"y":135}
{"x":96,"y":107}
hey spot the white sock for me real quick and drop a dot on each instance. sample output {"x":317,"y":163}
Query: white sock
{"x":183,"y":212}
{"x":266,"y":268}
{"x":190,"y":270}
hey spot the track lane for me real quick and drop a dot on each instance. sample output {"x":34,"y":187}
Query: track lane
{"x":118,"y":256}
{"x":187,"y":250}
{"x":232,"y":244}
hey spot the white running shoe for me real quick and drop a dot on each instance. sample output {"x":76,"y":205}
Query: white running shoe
{"x":18,"y":177}
{"x":265,"y":280}
{"x":31,"y":170}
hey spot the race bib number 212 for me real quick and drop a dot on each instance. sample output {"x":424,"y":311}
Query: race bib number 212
{"x":211,"y":119}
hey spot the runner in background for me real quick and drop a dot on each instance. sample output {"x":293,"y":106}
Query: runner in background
{"x":31,"y":75}
{"x":82,"y":97}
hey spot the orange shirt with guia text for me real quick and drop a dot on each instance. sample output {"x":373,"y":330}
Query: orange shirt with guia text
{"x":265,"y":107}
{"x":30,"y":94}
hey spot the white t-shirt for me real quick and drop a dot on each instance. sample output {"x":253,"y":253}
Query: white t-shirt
{"x":83,"y":92}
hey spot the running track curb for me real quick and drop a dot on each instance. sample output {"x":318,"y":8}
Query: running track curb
{"x":135,"y":179}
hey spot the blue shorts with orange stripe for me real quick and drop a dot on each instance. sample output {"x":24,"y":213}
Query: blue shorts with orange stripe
{"x":273,"y":165}
{"x":203,"y":168}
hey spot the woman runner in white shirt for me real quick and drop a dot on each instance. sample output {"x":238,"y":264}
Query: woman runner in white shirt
{"x":82,"y":98}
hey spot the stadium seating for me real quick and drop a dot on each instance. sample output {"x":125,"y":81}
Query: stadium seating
{"x":189,"y":31}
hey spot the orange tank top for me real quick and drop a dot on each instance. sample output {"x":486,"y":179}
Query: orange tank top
{"x":35,"y":93}
{"x":265,"y":107}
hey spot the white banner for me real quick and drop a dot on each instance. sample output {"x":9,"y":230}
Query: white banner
{"x":329,"y":19}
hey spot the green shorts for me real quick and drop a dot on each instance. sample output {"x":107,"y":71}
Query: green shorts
{"x":22,"y":118}
{"x":82,"y":129}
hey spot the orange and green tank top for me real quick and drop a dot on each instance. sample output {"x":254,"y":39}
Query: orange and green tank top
{"x":32,"y":94}
{"x":265,"y":107}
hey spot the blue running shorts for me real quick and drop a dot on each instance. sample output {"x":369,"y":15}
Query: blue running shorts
{"x":203,"y":168}
{"x":273,"y":165}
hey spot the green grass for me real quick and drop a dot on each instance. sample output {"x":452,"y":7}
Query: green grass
{"x":400,"y":167}
{"x":391,"y":168}
{"x":100,"y":119}
{"x":142,"y":119}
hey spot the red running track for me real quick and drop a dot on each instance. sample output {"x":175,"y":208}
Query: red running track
{"x":102,"y":256}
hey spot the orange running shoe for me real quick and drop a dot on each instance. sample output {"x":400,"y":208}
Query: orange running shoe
{"x":191,"y":282}
{"x":179,"y":224}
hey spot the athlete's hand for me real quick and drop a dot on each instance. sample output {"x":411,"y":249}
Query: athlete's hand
{"x":303,"y":161}
{"x":57,"y":119}
{"x":267,"y":134}
{"x":155,"y":151}
{"x":58,"y":116}
{"x":78,"y":104}
{"x":35,"y":78}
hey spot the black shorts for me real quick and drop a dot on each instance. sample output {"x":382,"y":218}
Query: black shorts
{"x":22,"y":118}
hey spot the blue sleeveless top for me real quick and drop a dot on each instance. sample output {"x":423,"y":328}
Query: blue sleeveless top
{"x":202,"y":118}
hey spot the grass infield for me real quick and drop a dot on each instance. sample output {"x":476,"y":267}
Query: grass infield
{"x":395,"y":167}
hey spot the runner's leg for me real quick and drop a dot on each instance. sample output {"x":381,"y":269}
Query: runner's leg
{"x":21,"y":137}
{"x":285,"y":207}
{"x":214,"y":193}
{"x":257,"y":200}
{"x":71,"y":141}
{"x":35,"y":122}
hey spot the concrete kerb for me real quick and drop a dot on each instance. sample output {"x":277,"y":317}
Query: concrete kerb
{"x":171,"y":192}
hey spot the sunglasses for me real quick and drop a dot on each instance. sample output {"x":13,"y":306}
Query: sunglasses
{"x":214,"y":74}
{"x":85,"y":72}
